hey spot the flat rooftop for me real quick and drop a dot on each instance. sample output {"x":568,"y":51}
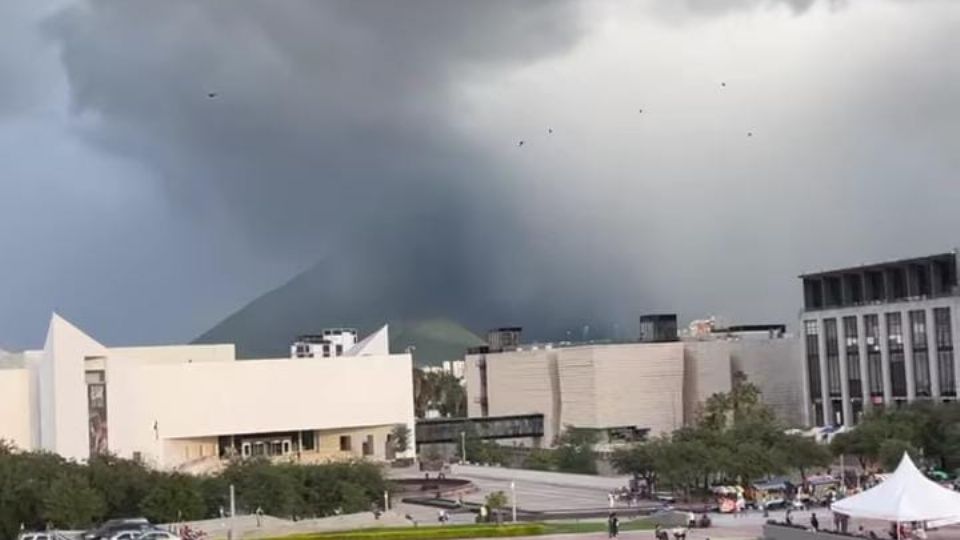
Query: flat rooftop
{"x":927,"y":259}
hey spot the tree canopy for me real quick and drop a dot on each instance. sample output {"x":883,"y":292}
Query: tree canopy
{"x":736,"y":439}
{"x":38,"y":488}
{"x":924,"y":429}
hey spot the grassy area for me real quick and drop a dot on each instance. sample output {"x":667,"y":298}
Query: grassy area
{"x":449,"y":532}
{"x":429,"y":532}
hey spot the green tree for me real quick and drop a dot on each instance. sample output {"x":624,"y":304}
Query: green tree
{"x":641,"y":460}
{"x":400,"y":438}
{"x":574,"y":452}
{"x":174,"y":498}
{"x":892,"y":450}
{"x":803,"y":454}
{"x":496,"y":502}
{"x":123,"y":483}
{"x":70,"y":503}
{"x":539,"y":459}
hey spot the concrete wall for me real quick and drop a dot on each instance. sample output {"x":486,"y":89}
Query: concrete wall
{"x":64,"y":419}
{"x":15,"y":406}
{"x":521,"y":382}
{"x":639,"y":385}
{"x":197,"y":400}
{"x":595,"y":386}
{"x":177,"y":353}
{"x":775,"y":367}
{"x":706,"y":372}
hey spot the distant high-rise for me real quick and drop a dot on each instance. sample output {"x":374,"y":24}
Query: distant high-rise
{"x":330,"y":343}
{"x":880,"y":334}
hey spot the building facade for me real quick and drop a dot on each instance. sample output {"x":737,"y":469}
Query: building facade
{"x":879,"y":335}
{"x":630,"y":390}
{"x":191,"y":407}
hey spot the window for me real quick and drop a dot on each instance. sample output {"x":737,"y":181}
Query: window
{"x":308,"y":440}
{"x":943,"y":335}
{"x":852,"y":343}
{"x":339,"y":349}
{"x":898,"y":368}
{"x":921,"y":362}
{"x":138,"y":457}
{"x":833,"y":357}
{"x":813,"y":358}
{"x":871,"y":325}
{"x":368,"y":446}
{"x":346,"y":444}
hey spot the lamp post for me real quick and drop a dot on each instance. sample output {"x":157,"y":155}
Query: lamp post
{"x":513,"y":499}
{"x":463,"y":446}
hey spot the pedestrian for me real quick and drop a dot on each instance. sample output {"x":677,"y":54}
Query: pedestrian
{"x":788,"y":517}
{"x":259,"y":514}
{"x":814,"y":522}
{"x":613,"y":525}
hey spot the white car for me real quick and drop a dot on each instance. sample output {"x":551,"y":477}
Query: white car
{"x":157,"y":535}
{"x":125,"y":535}
{"x":41,"y":536}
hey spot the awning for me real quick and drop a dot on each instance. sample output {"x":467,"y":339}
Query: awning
{"x":906,"y":495}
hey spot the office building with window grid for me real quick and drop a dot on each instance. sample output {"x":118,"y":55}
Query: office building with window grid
{"x":879,"y":335}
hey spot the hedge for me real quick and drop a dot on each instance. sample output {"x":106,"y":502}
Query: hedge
{"x":431,"y":532}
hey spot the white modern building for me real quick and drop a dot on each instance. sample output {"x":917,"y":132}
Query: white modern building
{"x":879,"y":335}
{"x":330,"y":342}
{"x":189,"y":407}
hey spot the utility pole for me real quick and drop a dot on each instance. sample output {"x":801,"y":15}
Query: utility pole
{"x":513,"y":498}
{"x":386,"y":501}
{"x":463,"y":446}
{"x":233,"y":512}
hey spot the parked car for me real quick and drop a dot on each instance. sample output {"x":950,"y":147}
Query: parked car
{"x":126,"y":535}
{"x":158,"y":534}
{"x":49,"y":535}
{"x":108,"y":529}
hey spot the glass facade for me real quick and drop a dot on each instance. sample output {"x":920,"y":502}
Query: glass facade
{"x":871,"y":324}
{"x":921,"y":360}
{"x":811,"y":335}
{"x":898,"y":368}
{"x":852,"y":344}
{"x":833,"y":357}
{"x":943,"y":334}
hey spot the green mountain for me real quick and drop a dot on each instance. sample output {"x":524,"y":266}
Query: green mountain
{"x":433,"y":340}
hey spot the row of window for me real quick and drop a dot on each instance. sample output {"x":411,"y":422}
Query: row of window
{"x":919,"y":355}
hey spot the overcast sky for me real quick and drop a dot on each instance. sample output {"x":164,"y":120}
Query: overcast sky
{"x":146,"y":211}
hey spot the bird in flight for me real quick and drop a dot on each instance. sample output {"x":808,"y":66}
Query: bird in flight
{"x":749,"y":134}
{"x":724,"y":84}
{"x":520,"y":143}
{"x":211,"y":95}
{"x":549,"y":130}
{"x":641,"y":111}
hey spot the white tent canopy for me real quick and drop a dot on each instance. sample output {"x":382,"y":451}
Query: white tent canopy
{"x":906,"y":495}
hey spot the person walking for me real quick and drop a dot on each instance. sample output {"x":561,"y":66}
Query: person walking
{"x":613,"y":525}
{"x":814,"y":522}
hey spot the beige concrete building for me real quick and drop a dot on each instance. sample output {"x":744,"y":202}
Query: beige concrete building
{"x":631,"y":388}
{"x":189,"y":407}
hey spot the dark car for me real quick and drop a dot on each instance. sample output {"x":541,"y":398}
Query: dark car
{"x":113,"y":526}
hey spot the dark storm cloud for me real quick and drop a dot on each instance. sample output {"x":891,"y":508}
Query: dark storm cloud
{"x":318,"y":128}
{"x":720,"y":6}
